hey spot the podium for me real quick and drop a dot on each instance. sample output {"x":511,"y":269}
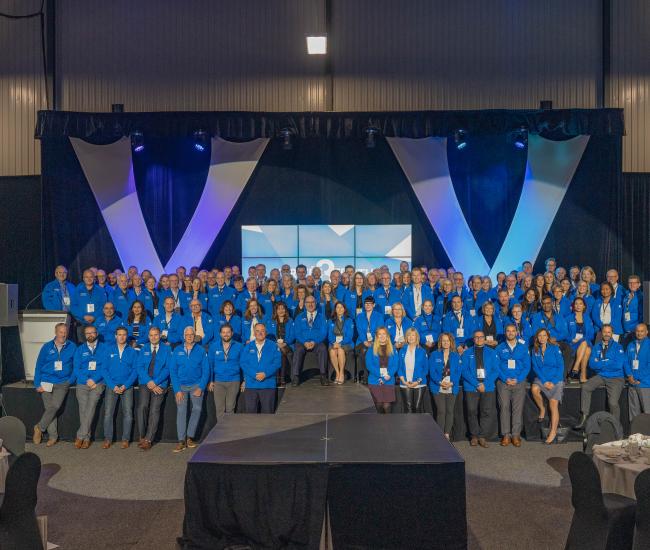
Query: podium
{"x":37,"y":327}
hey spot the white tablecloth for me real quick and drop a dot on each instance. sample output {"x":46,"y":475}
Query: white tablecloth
{"x":619,"y":477}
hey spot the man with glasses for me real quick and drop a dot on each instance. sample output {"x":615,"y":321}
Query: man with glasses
{"x":310,"y":330}
{"x":57,"y":294}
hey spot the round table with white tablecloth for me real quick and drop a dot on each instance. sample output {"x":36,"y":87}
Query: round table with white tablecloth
{"x":618,"y":473}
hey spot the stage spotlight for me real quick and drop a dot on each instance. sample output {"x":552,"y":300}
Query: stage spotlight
{"x":317,"y":45}
{"x":201,"y":140}
{"x":521,"y":138}
{"x":459,"y":139}
{"x":285,"y":134}
{"x":371,"y":131}
{"x":137,"y":141}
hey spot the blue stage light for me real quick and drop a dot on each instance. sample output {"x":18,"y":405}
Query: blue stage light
{"x":200,"y":140}
{"x":521,"y":138}
{"x":459,"y":139}
{"x":137,"y":141}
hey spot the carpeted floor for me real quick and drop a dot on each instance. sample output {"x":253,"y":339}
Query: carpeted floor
{"x":123,"y":499}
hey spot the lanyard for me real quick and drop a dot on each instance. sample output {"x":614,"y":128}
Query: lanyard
{"x":226,"y":352}
{"x":460,"y":319}
{"x":603,"y":309}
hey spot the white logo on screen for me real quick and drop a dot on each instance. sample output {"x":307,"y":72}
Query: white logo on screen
{"x":327,"y":266}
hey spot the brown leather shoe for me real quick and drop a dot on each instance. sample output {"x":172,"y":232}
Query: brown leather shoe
{"x":146,"y":445}
{"x":473,"y":442}
{"x":505,"y":441}
{"x":516,"y":441}
{"x":141,"y":441}
{"x":78,"y":443}
{"x":51,"y":442}
{"x":107,"y":444}
{"x":191,"y":443}
{"x":125,"y":444}
{"x":85,"y":444}
{"x":38,"y":435}
{"x":482,"y":442}
{"x":180,"y":447}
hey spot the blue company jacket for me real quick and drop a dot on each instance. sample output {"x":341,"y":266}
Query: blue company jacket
{"x":133,"y":296}
{"x":52,"y":296}
{"x":641,"y":370}
{"x":106,"y":328}
{"x":88,"y":365}
{"x":340,"y":291}
{"x":171,"y":332}
{"x":473,"y":304}
{"x":550,"y":366}
{"x":479,"y":324}
{"x":524,"y":330}
{"x":168,"y":293}
{"x":316,"y":333}
{"x":350,"y":300}
{"x":122,"y":302}
{"x":160,"y":366}
{"x":490,"y":363}
{"x":108,"y":290}
{"x":242,"y":300}
{"x":224,"y":367}
{"x":206,"y":322}
{"x":556,"y":325}
{"x":385,"y":298}
{"x":616,"y":308}
{"x":421,"y":365}
{"x":246,"y":327}
{"x":289,"y":331}
{"x":288,"y":299}
{"x":84,"y":299}
{"x":234,"y":322}
{"x":143,"y":331}
{"x":147,"y":298}
{"x":408,"y":299}
{"x":269,"y":363}
{"x":451,"y":324}
{"x":427,"y":325}
{"x":46,"y":364}
{"x":589,"y":301}
{"x":189,"y":369}
{"x":217,"y":296}
{"x":632,"y":310}
{"x":521,"y":357}
{"x":187,"y":297}
{"x":391,"y":326}
{"x":436,"y":367}
{"x":565,"y":306}
{"x":348,"y":332}
{"x":363,"y":326}
{"x":587,"y":331}
{"x":612,"y":365}
{"x":374,"y":372}
{"x":119,"y":371}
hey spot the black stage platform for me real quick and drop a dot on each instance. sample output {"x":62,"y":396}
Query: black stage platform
{"x":269,"y":480}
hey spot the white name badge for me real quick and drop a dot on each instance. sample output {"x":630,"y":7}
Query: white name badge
{"x":66,"y":300}
{"x":387,"y":310}
{"x":521,"y":341}
{"x":156,"y":312}
{"x":578,"y":336}
{"x":280,"y":341}
{"x":339,"y":339}
{"x":628,"y":317}
{"x":480,"y":374}
{"x":90,"y":308}
{"x":359,"y":310}
{"x":448,"y":390}
{"x":399,"y":339}
{"x":460,"y":333}
{"x":429,"y":338}
{"x":615,"y":337}
{"x":383,"y":372}
{"x":58,"y":365}
{"x":92,"y":365}
{"x":635,"y":364}
{"x":512,"y":364}
{"x":472,"y":312}
{"x":164,"y":333}
{"x":368,"y":337}
{"x":489,"y":338}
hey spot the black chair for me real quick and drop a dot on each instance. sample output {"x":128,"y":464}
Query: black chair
{"x":600,"y":521}
{"x":13,"y":435}
{"x":640,"y":424}
{"x":642,"y":529}
{"x":18,"y":525}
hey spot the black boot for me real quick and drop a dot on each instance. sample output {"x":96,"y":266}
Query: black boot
{"x":581,"y":425}
{"x":294,"y":381}
{"x":324,"y":381}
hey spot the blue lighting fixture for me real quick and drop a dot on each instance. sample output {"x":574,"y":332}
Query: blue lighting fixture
{"x":137,"y":141}
{"x":521,"y":138}
{"x":460,"y":139}
{"x":200,"y":140}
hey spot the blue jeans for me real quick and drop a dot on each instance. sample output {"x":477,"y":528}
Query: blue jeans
{"x":184,"y":429}
{"x":110,"y":402}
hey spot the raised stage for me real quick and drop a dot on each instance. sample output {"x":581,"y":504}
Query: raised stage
{"x":269,"y":481}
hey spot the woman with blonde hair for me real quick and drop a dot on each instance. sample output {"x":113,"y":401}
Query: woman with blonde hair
{"x":444,"y":379}
{"x":382,"y":363}
{"x":412,"y":371}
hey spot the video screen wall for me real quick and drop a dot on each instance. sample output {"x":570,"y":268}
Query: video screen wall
{"x":326,"y":246}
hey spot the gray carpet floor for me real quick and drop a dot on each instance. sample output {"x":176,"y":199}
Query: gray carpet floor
{"x":124,"y":499}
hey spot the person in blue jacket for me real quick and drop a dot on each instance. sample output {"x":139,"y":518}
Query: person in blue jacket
{"x":190,"y":373}
{"x":632,"y":303}
{"x":170,"y":323}
{"x":607,"y":361}
{"x":608,"y":311}
{"x":137,"y":324}
{"x":249,"y":293}
{"x":227,"y":316}
{"x":490,"y":324}
{"x":224,"y":357}
{"x":561,"y":304}
{"x":356,"y":295}
{"x":196,"y":293}
{"x":52,"y":378}
{"x":444,"y":299}
{"x":557,"y":328}
{"x":480,"y":372}
{"x":476,"y":297}
{"x":259,"y":362}
{"x":151,"y":298}
{"x":218,"y":292}
{"x":428,"y":326}
{"x":107,"y":323}
{"x":87,"y":302}
{"x":326,"y":300}
{"x":548,"y":366}
{"x":386,"y":295}
{"x":251,"y":315}
{"x":311,"y":333}
{"x":119,"y":372}
{"x":382,"y":362}
{"x":152,"y":365}
{"x":122,"y":297}
{"x":57,"y":294}
{"x":87,"y":363}
{"x":281,"y":330}
{"x":459,"y":323}
{"x":514,"y":366}
{"x":174,"y":292}
{"x":338,"y":289}
{"x":340,"y":337}
{"x":522,"y":326}
{"x":397,"y":325}
{"x":637,"y":372}
{"x":412,"y":371}
{"x":201,"y":322}
{"x":581,"y":337}
{"x":416,"y":294}
{"x":444,"y":381}
{"x":366,"y":323}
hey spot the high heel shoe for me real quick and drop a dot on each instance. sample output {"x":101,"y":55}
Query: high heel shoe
{"x":554,"y":440}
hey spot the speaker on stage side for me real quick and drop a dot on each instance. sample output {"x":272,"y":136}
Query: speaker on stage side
{"x":8,"y":305}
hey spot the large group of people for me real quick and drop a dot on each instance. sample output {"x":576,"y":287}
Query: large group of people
{"x":417,"y":330}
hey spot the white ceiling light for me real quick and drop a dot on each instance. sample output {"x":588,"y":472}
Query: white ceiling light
{"x":317,"y":45}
